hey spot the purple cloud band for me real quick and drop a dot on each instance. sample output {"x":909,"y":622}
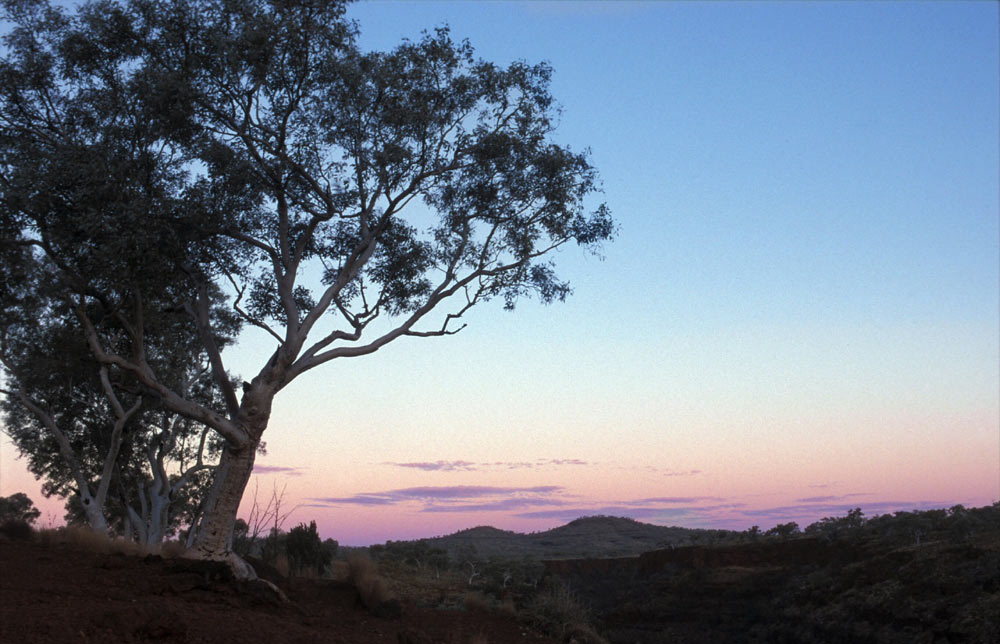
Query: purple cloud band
{"x":502,"y":505}
{"x":568,"y":514}
{"x":554,"y":503}
{"x":277,"y":469}
{"x":828,"y":499}
{"x":469,"y":466}
{"x":439,"y":466}
{"x":838,"y":509}
{"x":675,"y":499}
{"x":449,"y":494}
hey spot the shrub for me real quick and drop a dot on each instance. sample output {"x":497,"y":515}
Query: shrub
{"x":18,"y":507}
{"x":305,"y":550}
{"x":17,"y":530}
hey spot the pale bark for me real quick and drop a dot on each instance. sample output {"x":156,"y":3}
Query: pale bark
{"x":94,"y":509}
{"x":93,"y":502}
{"x":152,"y":519}
{"x":215,"y":530}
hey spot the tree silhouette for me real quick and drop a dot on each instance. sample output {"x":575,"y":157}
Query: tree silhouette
{"x":154,"y":151}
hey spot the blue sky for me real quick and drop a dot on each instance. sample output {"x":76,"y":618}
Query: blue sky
{"x":800,"y":314}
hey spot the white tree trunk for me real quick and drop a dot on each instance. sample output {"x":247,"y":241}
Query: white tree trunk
{"x":215,"y":531}
{"x":95,"y":512}
{"x":158,"y":505}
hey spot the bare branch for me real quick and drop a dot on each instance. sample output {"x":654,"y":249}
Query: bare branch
{"x":174,"y":402}
{"x":260,"y":324}
{"x":202,"y":320}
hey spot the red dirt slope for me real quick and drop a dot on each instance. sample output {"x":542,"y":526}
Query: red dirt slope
{"x":61,"y":593}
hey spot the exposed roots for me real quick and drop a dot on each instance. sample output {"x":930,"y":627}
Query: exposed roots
{"x":239,"y":568}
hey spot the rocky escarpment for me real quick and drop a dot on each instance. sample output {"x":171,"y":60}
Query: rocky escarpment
{"x":802,"y":590}
{"x":795,"y":552}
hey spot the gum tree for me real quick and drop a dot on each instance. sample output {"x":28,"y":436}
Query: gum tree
{"x":344,"y":198}
{"x":125,"y":463}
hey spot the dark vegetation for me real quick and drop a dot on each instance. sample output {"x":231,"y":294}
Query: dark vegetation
{"x":908,"y":577}
{"x":926,"y":576}
{"x":17,"y":514}
{"x":922,"y":576}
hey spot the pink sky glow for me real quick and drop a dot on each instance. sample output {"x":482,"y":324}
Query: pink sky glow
{"x":799,"y":315}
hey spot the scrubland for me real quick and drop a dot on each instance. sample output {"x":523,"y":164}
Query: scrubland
{"x":909,"y":577}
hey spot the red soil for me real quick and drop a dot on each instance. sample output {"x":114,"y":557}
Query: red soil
{"x":63,"y":593}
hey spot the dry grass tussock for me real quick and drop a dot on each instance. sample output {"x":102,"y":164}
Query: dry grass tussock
{"x":508,"y":607}
{"x":172,"y":549}
{"x":476,"y":602}
{"x":557,"y":611}
{"x":363,"y":574}
{"x":282,"y":566}
{"x":85,"y":538}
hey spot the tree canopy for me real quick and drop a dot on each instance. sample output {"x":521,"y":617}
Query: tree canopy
{"x":157,"y":156}
{"x":18,"y":507}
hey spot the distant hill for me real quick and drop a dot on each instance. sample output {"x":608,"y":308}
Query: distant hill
{"x":599,"y":536}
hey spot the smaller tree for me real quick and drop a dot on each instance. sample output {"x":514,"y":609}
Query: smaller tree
{"x":784,"y":531}
{"x":305,"y":550}
{"x":18,"y":507}
{"x":830,"y":528}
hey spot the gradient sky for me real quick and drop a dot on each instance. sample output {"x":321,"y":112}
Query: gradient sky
{"x":799,"y":316}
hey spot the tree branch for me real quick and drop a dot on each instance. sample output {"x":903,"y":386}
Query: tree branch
{"x":202,"y":320}
{"x":228,"y":429}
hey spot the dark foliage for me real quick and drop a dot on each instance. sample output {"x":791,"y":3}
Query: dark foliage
{"x":153,"y":152}
{"x":306,"y":551}
{"x":16,"y":529}
{"x":18,"y":507}
{"x":848,"y":580}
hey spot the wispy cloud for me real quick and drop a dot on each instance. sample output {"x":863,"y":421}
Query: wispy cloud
{"x":570,"y":513}
{"x":454,"y":496}
{"x":662,"y":471}
{"x":470,"y":466}
{"x":439,"y":466}
{"x":357,"y":499}
{"x":831,"y":498}
{"x":503,"y":505}
{"x":278,"y":469}
{"x":674,"y":499}
{"x":470,"y":491}
{"x":690,"y":511}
